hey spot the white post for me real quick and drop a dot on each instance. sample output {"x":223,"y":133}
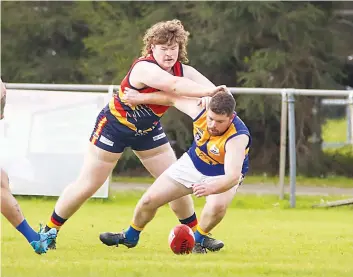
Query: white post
{"x":292,"y":147}
{"x":110,"y":91}
{"x":350,"y":118}
{"x":283,"y":143}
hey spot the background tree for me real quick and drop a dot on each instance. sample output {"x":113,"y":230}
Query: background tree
{"x":41,"y":42}
{"x":252,"y":44}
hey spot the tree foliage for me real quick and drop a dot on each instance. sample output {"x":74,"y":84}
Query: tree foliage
{"x":41,"y":42}
{"x":252,"y":44}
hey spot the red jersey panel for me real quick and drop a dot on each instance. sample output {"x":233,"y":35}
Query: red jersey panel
{"x":142,"y":118}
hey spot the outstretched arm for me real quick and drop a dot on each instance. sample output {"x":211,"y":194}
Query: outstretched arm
{"x":188,"y":105}
{"x":192,"y":74}
{"x":233,"y":163}
{"x":152,"y":75}
{"x":132,"y":97}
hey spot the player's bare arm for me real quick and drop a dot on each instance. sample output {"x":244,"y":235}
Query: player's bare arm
{"x":234,"y":158}
{"x":189,"y":105}
{"x":168,"y":99}
{"x":184,"y":104}
{"x":132,"y":97}
{"x":194,"y":75}
{"x":150,"y":74}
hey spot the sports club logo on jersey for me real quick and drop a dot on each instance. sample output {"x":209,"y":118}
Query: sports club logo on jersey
{"x":198,"y":134}
{"x":214,"y":150}
{"x":139,"y":112}
{"x":140,"y":132}
{"x":141,"y":116}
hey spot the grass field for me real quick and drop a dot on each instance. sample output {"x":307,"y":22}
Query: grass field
{"x":329,"y":181}
{"x":263,"y":237}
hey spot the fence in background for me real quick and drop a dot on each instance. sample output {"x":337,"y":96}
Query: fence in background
{"x":340,"y":102}
{"x":287,"y":116}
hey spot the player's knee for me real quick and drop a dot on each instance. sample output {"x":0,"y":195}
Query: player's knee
{"x":147,"y":201}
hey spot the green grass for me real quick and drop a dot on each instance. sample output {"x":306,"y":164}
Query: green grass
{"x":335,"y":130}
{"x":263,"y":237}
{"x":330,"y":181}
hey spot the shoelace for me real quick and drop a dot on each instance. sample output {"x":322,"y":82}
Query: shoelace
{"x":41,"y":227}
{"x":41,"y":231}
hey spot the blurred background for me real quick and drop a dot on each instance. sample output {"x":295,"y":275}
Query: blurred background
{"x":239,"y":44}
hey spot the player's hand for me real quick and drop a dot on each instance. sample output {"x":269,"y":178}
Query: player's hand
{"x":131,"y":97}
{"x":204,"y":102}
{"x":203,"y":189}
{"x":221,"y":88}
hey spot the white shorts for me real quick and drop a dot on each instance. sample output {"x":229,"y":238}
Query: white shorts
{"x":184,"y":172}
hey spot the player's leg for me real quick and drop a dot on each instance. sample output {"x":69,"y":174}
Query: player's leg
{"x":211,"y":215}
{"x":183,"y":207}
{"x":9,"y":205}
{"x":161,"y":192}
{"x":98,"y":165}
{"x":156,"y":160}
{"x":12,"y":212}
{"x":100,"y":159}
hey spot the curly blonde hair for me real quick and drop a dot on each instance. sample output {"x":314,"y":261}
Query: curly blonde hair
{"x":170,"y":32}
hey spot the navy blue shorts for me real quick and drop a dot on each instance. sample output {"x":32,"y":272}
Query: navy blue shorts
{"x":109,"y":134}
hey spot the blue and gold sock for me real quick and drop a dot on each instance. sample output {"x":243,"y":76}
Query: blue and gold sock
{"x":132,"y":234}
{"x":199,"y":235}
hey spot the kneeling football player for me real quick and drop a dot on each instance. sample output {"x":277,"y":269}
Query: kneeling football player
{"x":213,"y":167}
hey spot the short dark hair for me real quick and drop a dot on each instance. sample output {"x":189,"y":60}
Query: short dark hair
{"x":223,"y":103}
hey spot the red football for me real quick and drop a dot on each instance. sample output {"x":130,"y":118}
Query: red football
{"x":181,"y":239}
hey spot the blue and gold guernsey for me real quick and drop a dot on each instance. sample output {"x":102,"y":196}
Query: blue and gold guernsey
{"x":119,"y":126}
{"x":208,"y":152}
